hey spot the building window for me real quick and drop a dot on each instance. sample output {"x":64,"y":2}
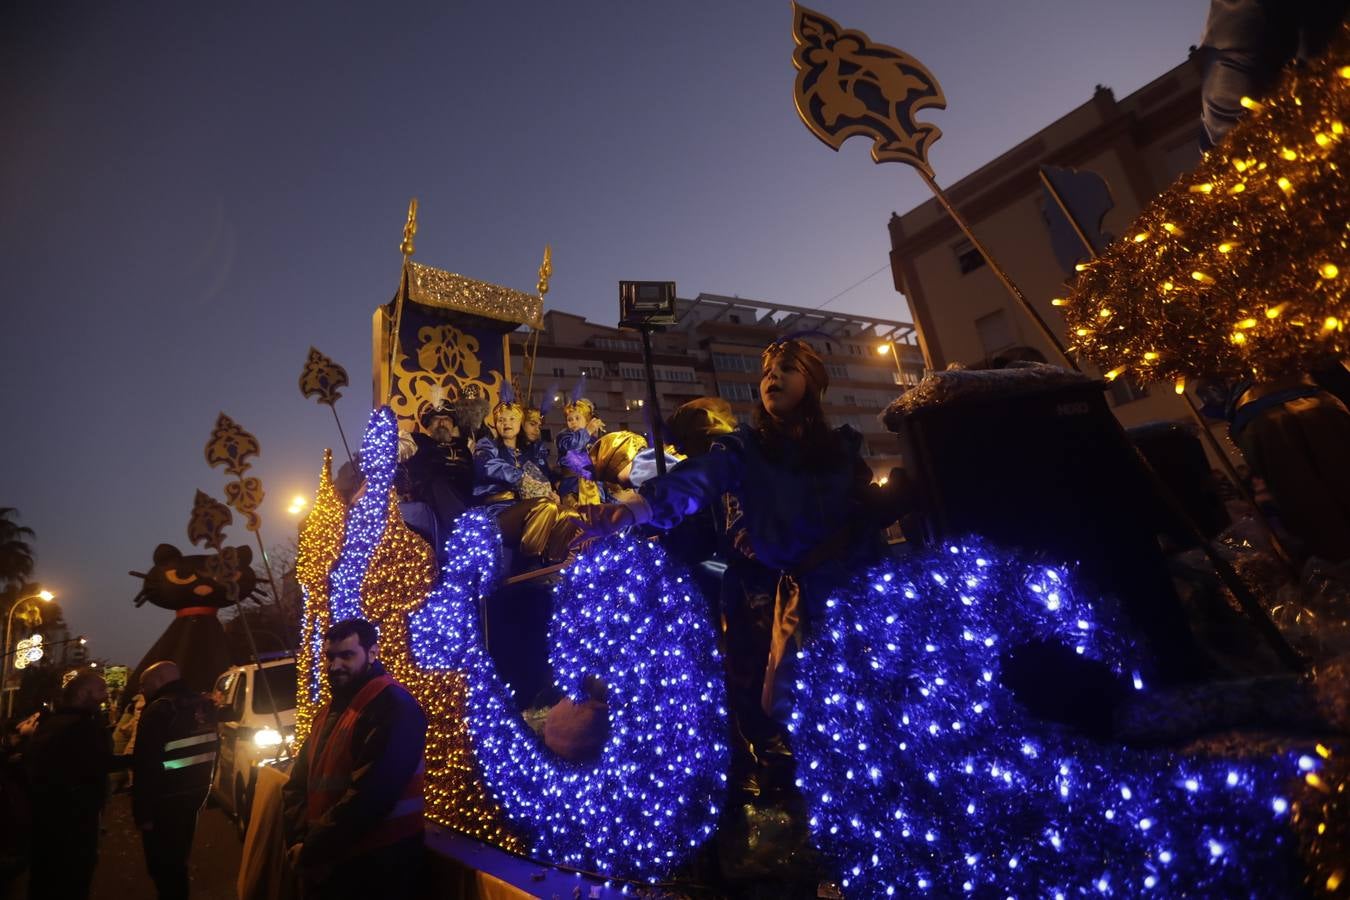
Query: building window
{"x":837,"y":370}
{"x":559,"y":372}
{"x":734,"y":319}
{"x":850,"y":400}
{"x":592,"y":371}
{"x":732,"y":362}
{"x":632,"y":372}
{"x":995,"y":332}
{"x":968,"y":259}
{"x":634,"y":404}
{"x":1125,"y":389}
{"x":735,"y":391}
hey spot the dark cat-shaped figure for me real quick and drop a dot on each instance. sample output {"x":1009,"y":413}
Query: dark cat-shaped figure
{"x":195,"y":638}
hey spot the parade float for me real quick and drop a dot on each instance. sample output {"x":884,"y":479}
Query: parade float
{"x":918,"y":771}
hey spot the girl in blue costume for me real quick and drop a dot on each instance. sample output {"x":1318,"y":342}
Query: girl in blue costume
{"x":583,"y":428}
{"x":802,"y":515}
{"x":511,"y":488}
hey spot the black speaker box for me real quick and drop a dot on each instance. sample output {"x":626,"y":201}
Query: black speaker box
{"x":1039,"y":464}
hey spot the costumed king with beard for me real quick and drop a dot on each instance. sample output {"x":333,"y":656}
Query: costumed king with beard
{"x":354,"y":802}
{"x":176,"y":746}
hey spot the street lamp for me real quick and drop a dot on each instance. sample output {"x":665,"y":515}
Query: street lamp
{"x":297,"y":505}
{"x":45,"y":597}
{"x":889,"y":347}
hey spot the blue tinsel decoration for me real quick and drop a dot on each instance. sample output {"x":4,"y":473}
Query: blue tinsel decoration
{"x":924,"y":776}
{"x":626,"y":614}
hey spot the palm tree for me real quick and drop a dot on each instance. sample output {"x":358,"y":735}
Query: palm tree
{"x":16,"y":552}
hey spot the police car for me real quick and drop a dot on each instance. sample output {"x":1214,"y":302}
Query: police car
{"x":249,"y":737}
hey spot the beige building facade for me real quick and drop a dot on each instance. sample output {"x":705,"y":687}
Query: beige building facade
{"x":713,"y":350}
{"x":1139,"y":145}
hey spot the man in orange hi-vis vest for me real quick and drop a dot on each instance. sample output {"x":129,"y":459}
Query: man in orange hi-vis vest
{"x":353,"y":804}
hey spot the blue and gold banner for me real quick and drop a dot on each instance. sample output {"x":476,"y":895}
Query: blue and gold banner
{"x":451,"y":340}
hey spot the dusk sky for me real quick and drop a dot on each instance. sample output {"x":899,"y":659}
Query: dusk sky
{"x":193,"y":194}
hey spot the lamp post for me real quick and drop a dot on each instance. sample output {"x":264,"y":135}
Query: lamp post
{"x":889,"y":347}
{"x":45,"y":597}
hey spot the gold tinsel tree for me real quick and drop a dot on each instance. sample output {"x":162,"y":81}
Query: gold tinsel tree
{"x":320,"y":542}
{"x":1240,"y":267}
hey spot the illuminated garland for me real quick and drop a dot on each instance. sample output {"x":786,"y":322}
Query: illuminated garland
{"x":398,"y":583}
{"x":923,"y":775}
{"x":320,"y":540}
{"x":366,"y":519}
{"x":1240,"y":267}
{"x":626,"y":614}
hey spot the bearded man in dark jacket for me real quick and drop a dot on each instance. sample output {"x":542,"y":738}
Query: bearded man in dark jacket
{"x":354,"y":801}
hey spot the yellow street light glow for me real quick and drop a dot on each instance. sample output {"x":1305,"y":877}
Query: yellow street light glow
{"x":884,"y":349}
{"x":1180,"y":386}
{"x":1344,"y":71}
{"x":46,"y":596}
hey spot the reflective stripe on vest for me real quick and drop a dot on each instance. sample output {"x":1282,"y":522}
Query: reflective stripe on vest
{"x":171,"y":764}
{"x":330,"y":773}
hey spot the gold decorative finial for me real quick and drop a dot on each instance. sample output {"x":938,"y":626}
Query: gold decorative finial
{"x":409,"y":230}
{"x":545,"y":270}
{"x":848,"y":85}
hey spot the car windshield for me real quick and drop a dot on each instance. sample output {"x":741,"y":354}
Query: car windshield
{"x":281,"y":679}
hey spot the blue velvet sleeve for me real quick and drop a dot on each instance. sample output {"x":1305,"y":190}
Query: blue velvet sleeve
{"x":694,"y":484}
{"x":491,"y":467}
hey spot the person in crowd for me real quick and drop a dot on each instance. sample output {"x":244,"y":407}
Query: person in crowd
{"x":124,"y":735}
{"x":517,"y":494}
{"x":583,"y":428}
{"x":532,"y":439}
{"x":439,"y":465}
{"x":801,"y":515}
{"x":16,"y":822}
{"x":353,"y":805}
{"x":67,"y":763}
{"x":174,"y":754}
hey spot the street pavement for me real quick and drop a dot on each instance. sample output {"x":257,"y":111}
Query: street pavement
{"x":121,"y":875}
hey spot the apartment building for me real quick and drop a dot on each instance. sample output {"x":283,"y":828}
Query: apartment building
{"x":713,"y":350}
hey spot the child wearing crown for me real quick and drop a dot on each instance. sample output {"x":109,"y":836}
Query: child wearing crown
{"x":509,"y":484}
{"x":801,"y":516}
{"x":583,"y":428}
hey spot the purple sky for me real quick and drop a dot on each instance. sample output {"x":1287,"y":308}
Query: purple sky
{"x":193,"y":194}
